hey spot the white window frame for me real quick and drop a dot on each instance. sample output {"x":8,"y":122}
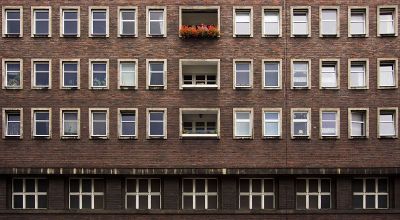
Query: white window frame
{"x":292,"y":62}
{"x":301,"y":110}
{"x":194,"y":193}
{"x":250,"y":194}
{"x":120,"y":21}
{"x":376,"y":193}
{"x":91,"y":62}
{"x":242,"y":9}
{"x":68,"y":9}
{"x":148,"y":86}
{"x":35,"y":9}
{"x":157,"y":8}
{"x":337,"y":122}
{"x":336,"y":62}
{"x":121,"y":61}
{"x":366,"y":123}
{"x":127,"y":110}
{"x":33,"y":73}
{"x":193,"y":86}
{"x":4,"y":73}
{"x":102,"y":110}
{"x":92,"y":194}
{"x":393,"y":61}
{"x":394,"y":111}
{"x":264,"y":61}
{"x":78,"y":121}
{"x":321,"y":22}
{"x":366,"y":21}
{"x":33,"y":123}
{"x":21,"y":21}
{"x":98,"y":8}
{"x":366,"y":74}
{"x":271,"y":9}
{"x":394,"y":9}
{"x":149,"y":194}
{"x":78,"y":76}
{"x":5,"y":112}
{"x":165,"y":125}
{"x":250,"y":121}
{"x":205,"y":110}
{"x":319,"y":193}
{"x":306,"y":9}
{"x":235,"y":71}
{"x":24,"y":193}
{"x":279,"y":121}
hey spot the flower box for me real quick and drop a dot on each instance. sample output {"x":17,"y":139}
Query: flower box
{"x":201,"y":31}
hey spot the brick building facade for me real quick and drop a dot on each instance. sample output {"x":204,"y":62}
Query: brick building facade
{"x":201,"y":141}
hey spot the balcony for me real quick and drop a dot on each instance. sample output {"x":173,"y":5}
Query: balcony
{"x":199,"y":123}
{"x":199,"y":22}
{"x":199,"y":73}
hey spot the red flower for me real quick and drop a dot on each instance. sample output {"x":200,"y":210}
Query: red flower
{"x":199,"y":31}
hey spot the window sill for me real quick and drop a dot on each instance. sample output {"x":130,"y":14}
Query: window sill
{"x":358,"y":137}
{"x":242,"y":36}
{"x":199,"y":136}
{"x":127,"y":87}
{"x":12,"y":137}
{"x":358,"y":36}
{"x":127,"y":35}
{"x":99,"y":88}
{"x":70,"y":35}
{"x":388,"y":137}
{"x":329,"y":137}
{"x":70,"y":137}
{"x":387,"y":35}
{"x":127,"y":137}
{"x":358,"y":88}
{"x":300,"y":36}
{"x":41,"y":88}
{"x":156,"y":36}
{"x":272,"y":137}
{"x":156,"y":138}
{"x":98,"y":36}
{"x":329,"y":36}
{"x":41,"y":137}
{"x":272,"y":36}
{"x":272,"y":88}
{"x":12,"y":88}
{"x":41,"y":36}
{"x":12,"y":35}
{"x":300,"y":88}
{"x":242,"y":138}
{"x":156,"y":88}
{"x":70,"y":88}
{"x":329,"y":88}
{"x":387,"y":87}
{"x":99,"y":138}
{"x":301,"y":137}
{"x":242,"y":87}
{"x":194,"y":87}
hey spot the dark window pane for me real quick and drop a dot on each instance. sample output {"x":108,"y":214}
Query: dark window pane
{"x":86,"y":185}
{"x":382,"y":185}
{"x":30,"y":185}
{"x":131,"y":185}
{"x":200,"y":185}
{"x":370,"y":203}
{"x":155,"y":202}
{"x":98,"y":185}
{"x":212,"y":202}
{"x":131,"y":202}
{"x":301,"y":202}
{"x":200,"y":202}
{"x":212,"y":185}
{"x":256,"y":185}
{"x":98,"y":202}
{"x":313,"y":202}
{"x":382,"y":201}
{"x":30,"y":201}
{"x":42,"y":201}
{"x":71,"y":27}
{"x":17,"y":187}
{"x":268,"y":185}
{"x":42,"y":185}
{"x":187,"y":185}
{"x":301,"y":185}
{"x":325,"y":185}
{"x":157,"y":78}
{"x":358,"y":202}
{"x":313,"y":185}
{"x":244,"y":202}
{"x":244,"y":185}
{"x":86,"y":202}
{"x":156,"y":128}
{"x":42,"y":27}
{"x":74,"y":185}
{"x":256,"y":202}
{"x":268,"y":202}
{"x":358,"y":185}
{"x":325,"y":202}
{"x":143,"y":202}
{"x":155,"y":185}
{"x":187,"y":202}
{"x":370,"y":185}
{"x":99,"y":27}
{"x":18,"y":202}
{"x":74,"y":202}
{"x":143,"y":187}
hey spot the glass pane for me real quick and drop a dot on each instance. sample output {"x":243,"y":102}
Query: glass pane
{"x":42,"y":201}
{"x":86,"y":185}
{"x":156,"y":128}
{"x":301,"y":185}
{"x":212,"y":202}
{"x":18,"y":202}
{"x":300,"y":128}
{"x":325,"y":202}
{"x":131,"y":185}
{"x":268,"y":185}
{"x":187,"y":185}
{"x":70,"y":27}
{"x":156,"y":27}
{"x":200,"y":202}
{"x":74,"y":202}
{"x":271,"y":74}
{"x":143,"y":185}
{"x":29,"y":185}
{"x":370,"y":185}
{"x":155,"y":202}
{"x":313,"y":185}
{"x":98,"y":202}
{"x":42,"y":128}
{"x":99,"y":128}
{"x":187,"y":202}
{"x":301,"y":202}
{"x":268,"y":202}
{"x":357,"y":185}
{"x":42,"y":27}
{"x":358,"y":201}
{"x":70,"y":15}
{"x":14,"y":14}
{"x":155,"y":185}
{"x":244,"y":185}
{"x":325,"y":185}
{"x":244,"y":202}
{"x":243,"y":28}
{"x":17,"y":185}
{"x":382,"y":185}
{"x":99,"y":15}
{"x":100,"y":79}
{"x":370,"y":203}
{"x":42,"y":185}
{"x":256,"y":185}
{"x":143,"y":202}
{"x":243,"y":128}
{"x":128,"y":15}
{"x":156,"y":15}
{"x":200,"y":185}
{"x":99,"y":27}
{"x":70,"y":79}
{"x":42,"y":79}
{"x":98,"y":185}
{"x":300,"y":28}
{"x":256,"y":202}
{"x":242,"y":16}
{"x":157,"y":78}
{"x":30,"y":201}
{"x":212,"y":185}
{"x":128,"y":128}
{"x":313,"y":202}
{"x":131,"y":202}
{"x":382,"y":201}
{"x":86,"y":202}
{"x":13,"y":27}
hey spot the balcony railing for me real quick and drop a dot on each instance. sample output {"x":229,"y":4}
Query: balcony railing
{"x":201,"y":31}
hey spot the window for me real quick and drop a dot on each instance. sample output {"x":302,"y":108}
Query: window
{"x":301,"y":74}
{"x":12,"y":123}
{"x":358,"y":22}
{"x":200,"y":194}
{"x":70,"y":120}
{"x":358,"y":74}
{"x":329,"y":21}
{"x":243,"y":123}
{"x":41,"y":123}
{"x":156,"y":74}
{"x":12,"y":73}
{"x":329,"y":75}
{"x":358,"y":123}
{"x":157,"y":123}
{"x":98,"y":123}
{"x":41,"y":74}
{"x":199,"y":73}
{"x":199,"y":17}
{"x":86,"y":193}
{"x":313,"y":193}
{"x":127,"y":26}
{"x":272,"y":78}
{"x":301,"y":22}
{"x":257,"y":194}
{"x":98,"y":21}
{"x":127,"y":123}
{"x":12,"y":21}
{"x":387,"y":73}
{"x":143,"y":194}
{"x":199,"y":123}
{"x":156,"y":22}
{"x":70,"y":74}
{"x":272,"y":20}
{"x":70,"y":23}
{"x":99,"y":74}
{"x":387,"y":122}
{"x":41,"y":22}
{"x":243,"y":75}
{"x":387,"y":21}
{"x":243,"y":26}
{"x":127,"y":74}
{"x":301,"y":123}
{"x":29,"y":193}
{"x":329,"y":123}
{"x":370,"y":193}
{"x":272,"y":122}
